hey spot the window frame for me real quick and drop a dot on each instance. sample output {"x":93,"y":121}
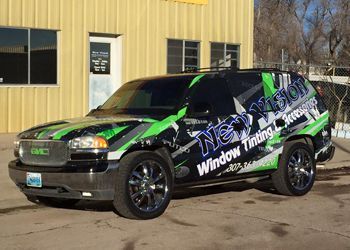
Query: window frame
{"x":183,"y":52}
{"x":36,"y":85}
{"x":225,"y":51}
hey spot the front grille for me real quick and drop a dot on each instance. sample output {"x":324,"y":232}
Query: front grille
{"x":43,"y":153}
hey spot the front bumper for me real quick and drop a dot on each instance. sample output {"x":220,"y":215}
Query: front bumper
{"x":63,"y":184}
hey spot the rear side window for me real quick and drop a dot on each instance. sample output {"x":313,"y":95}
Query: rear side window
{"x":247,"y":88}
{"x":216,"y":93}
{"x":319,"y":91}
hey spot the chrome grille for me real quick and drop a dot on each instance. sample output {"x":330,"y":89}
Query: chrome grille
{"x":43,"y":153}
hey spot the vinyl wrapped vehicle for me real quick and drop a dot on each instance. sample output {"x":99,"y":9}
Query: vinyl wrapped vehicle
{"x":156,"y":134}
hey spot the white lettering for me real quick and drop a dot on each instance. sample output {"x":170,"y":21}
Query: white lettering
{"x":211,"y":164}
{"x":204,"y":167}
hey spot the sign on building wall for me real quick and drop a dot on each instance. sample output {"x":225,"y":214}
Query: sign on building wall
{"x":100,"y":58}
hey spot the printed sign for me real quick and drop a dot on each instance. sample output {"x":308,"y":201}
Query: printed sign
{"x":100,"y":58}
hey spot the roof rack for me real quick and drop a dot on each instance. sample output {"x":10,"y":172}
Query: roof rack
{"x":262,"y":69}
{"x":215,"y":69}
{"x":234,"y":69}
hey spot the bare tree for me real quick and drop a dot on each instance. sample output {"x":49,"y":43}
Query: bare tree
{"x":311,"y":23}
{"x":310,"y":31}
{"x":269,"y":25}
{"x":339,"y":29}
{"x":343,"y":57}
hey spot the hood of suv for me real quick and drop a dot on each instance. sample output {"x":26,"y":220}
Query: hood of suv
{"x":69,"y":129}
{"x":65,"y":130}
{"x":118,"y":130}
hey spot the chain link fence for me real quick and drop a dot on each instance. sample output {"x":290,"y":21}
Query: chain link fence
{"x":333,"y":84}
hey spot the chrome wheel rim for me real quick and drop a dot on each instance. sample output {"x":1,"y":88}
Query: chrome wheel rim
{"x":148,"y":186}
{"x":300,"y":170}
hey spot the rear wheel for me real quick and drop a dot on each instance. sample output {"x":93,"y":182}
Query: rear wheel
{"x":296,"y":171}
{"x":144,"y":186}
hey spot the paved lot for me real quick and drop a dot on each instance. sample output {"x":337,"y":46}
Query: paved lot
{"x":236,"y":216}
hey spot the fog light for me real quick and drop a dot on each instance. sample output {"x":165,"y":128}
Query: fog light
{"x":86,"y":194}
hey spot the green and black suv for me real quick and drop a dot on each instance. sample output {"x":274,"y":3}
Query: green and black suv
{"x":190,"y":129}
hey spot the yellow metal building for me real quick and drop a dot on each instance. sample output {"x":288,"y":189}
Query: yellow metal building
{"x":144,"y":37}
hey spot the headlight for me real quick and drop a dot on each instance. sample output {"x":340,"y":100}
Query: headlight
{"x":87,"y":142}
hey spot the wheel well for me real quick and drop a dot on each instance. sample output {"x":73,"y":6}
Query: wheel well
{"x":162,"y":151}
{"x":302,"y":138}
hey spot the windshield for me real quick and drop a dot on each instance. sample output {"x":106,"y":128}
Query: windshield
{"x":156,"y":96}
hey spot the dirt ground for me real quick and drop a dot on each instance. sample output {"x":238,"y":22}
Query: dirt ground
{"x":235,"y":216}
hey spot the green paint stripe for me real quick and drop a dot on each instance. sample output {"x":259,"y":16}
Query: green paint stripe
{"x":43,"y":133}
{"x":312,"y":94}
{"x":181,"y":113}
{"x":108,"y":134}
{"x":150,"y":120}
{"x":47,"y":130}
{"x":316,"y":123}
{"x":319,"y":128}
{"x":316,"y":126}
{"x":272,"y":165}
{"x":268,"y":84}
{"x":274,"y":140}
{"x":196,"y":80}
{"x":63,"y":132}
{"x":66,"y":125}
{"x":158,"y":127}
{"x":59,"y":134}
{"x":179,"y":165}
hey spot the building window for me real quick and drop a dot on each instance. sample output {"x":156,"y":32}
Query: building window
{"x":224,"y":55}
{"x":28,"y":56}
{"x":182,"y":55}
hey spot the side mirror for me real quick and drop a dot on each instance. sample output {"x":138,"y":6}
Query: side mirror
{"x":280,"y":123}
{"x":201,"y":109}
{"x":93,"y":110}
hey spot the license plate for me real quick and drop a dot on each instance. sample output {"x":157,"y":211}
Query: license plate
{"x":34,"y":180}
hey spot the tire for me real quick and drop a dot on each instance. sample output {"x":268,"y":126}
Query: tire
{"x":295,"y":175}
{"x":144,"y":185}
{"x":57,"y":202}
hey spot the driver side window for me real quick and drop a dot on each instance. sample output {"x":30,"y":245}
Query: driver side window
{"x":214,"y":96}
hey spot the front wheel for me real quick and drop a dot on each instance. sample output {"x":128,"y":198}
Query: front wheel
{"x":296,"y":171}
{"x":144,"y":186}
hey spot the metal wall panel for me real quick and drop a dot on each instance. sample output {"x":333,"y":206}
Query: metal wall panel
{"x":144,"y":25}
{"x":192,"y":1}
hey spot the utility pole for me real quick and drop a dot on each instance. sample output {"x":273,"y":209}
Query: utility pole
{"x":282,"y":59}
